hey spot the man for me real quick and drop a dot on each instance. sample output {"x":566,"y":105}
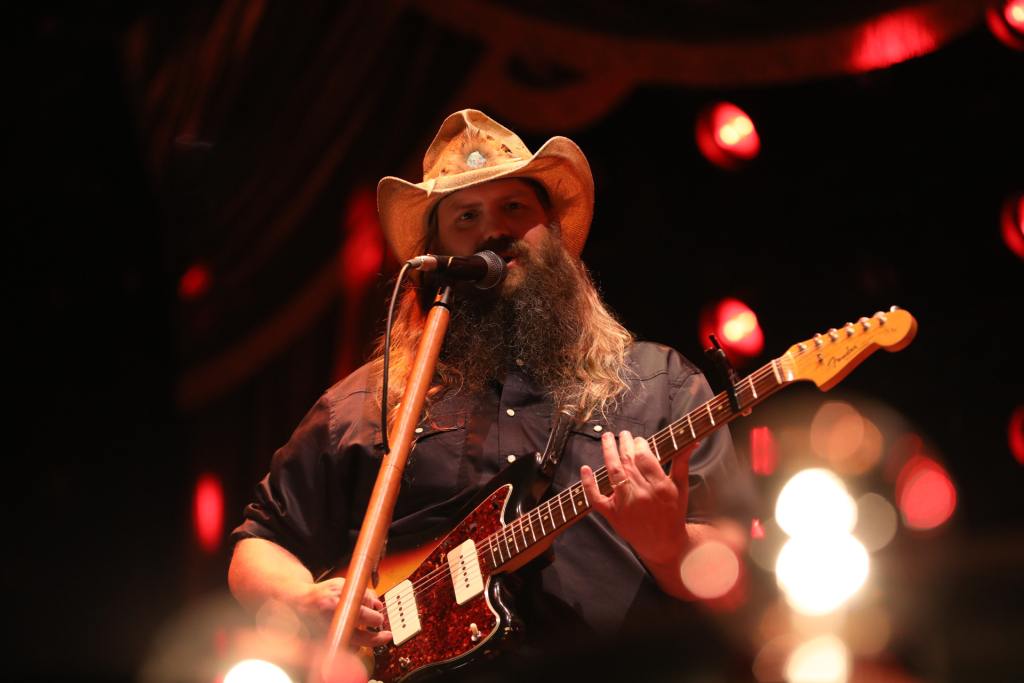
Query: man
{"x":542,"y":341}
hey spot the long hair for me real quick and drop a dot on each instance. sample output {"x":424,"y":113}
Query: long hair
{"x":592,"y":378}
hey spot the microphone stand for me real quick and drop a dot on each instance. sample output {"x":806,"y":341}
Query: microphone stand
{"x":373,"y":533}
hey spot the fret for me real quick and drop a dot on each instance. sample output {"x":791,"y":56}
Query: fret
{"x":533,"y":533}
{"x":562,"y":510}
{"x":656,"y":453}
{"x":526,"y":544}
{"x":778,"y":378}
{"x":753,"y":389}
{"x":690,"y":420}
{"x":514,"y":542}
{"x":710,"y":416}
{"x":497,"y":544}
{"x":675,"y":447}
{"x":574,"y":512}
{"x":494,"y":561}
{"x":540,"y":518}
{"x":585,"y":493}
{"x":508,"y":548}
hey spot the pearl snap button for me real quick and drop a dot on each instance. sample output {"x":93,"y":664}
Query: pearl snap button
{"x":598,"y":428}
{"x":419,"y":430}
{"x":510,"y":412}
{"x":511,"y":458}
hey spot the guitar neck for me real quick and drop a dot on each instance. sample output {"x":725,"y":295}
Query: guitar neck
{"x":558,"y":512}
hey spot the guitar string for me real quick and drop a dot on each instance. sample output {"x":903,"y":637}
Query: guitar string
{"x":494,"y":539}
{"x":664,"y":435}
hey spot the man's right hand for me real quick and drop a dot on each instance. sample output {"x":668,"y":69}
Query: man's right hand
{"x":318,"y":602}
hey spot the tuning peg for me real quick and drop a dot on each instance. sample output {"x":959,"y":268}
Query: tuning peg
{"x":819,"y":341}
{"x":893,"y":309}
{"x":881,"y":318}
{"x":865,"y":323}
{"x":850,"y":329}
{"x":834,"y":334}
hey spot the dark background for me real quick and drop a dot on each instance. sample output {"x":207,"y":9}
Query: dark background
{"x":148,"y":138}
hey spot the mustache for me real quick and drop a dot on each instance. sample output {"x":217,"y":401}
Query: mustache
{"x":503,"y":245}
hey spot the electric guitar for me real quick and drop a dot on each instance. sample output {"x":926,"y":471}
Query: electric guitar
{"x":444,"y":601}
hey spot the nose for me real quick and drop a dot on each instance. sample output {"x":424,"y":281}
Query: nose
{"x":496,"y":233}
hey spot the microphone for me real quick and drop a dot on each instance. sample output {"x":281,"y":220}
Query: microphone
{"x":485,"y":268}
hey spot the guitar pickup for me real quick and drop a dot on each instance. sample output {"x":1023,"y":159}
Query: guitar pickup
{"x":465,"y":570}
{"x":403,"y":617}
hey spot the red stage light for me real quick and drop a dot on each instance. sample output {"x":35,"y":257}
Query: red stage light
{"x":362,"y":253}
{"x":1016,"y":433}
{"x":756,"y":529}
{"x":194,"y":282}
{"x":736,"y":327}
{"x":208,"y":512}
{"x":763,"y":454}
{"x":1006,"y":21}
{"x":726,"y":135}
{"x":1012,"y":223}
{"x":925,"y":493}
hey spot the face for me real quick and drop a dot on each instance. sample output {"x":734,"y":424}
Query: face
{"x":492,"y":216}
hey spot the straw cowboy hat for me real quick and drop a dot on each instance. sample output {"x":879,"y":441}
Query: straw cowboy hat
{"x":470,"y":149}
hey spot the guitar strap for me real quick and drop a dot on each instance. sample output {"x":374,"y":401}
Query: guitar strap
{"x":547,"y":462}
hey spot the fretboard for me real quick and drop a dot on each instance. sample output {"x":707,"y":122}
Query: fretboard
{"x":558,"y":512}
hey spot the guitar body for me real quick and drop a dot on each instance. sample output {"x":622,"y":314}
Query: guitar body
{"x":452,"y":635}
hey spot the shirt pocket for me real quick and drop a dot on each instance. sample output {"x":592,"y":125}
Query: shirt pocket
{"x":584,"y":445}
{"x":432,"y":471}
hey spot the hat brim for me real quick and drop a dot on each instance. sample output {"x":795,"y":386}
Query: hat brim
{"x":559,"y":165}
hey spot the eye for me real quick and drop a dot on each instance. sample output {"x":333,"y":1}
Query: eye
{"x":466,"y":216}
{"x":515,"y":205}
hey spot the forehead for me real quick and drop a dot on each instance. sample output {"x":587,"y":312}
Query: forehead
{"x":495,"y":189}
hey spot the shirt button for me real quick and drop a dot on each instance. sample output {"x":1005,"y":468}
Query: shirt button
{"x":510,"y":412}
{"x":511,"y":458}
{"x":419,"y":430}
{"x":598,"y":428}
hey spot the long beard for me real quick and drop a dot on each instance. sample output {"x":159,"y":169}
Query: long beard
{"x":534,"y":324}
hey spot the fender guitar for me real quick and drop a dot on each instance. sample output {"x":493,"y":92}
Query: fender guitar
{"x":444,"y":601}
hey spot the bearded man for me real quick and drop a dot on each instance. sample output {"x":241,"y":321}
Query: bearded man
{"x":540,"y":343}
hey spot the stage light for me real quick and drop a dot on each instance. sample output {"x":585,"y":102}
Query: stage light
{"x":736,"y":328}
{"x":824,"y":659}
{"x":1005,"y":18}
{"x":820,"y":573}
{"x":925,"y":493}
{"x":1012,"y":223}
{"x":208,"y":512}
{"x":726,"y":135}
{"x":710,"y":570}
{"x":877,"y":521}
{"x":851,"y":443}
{"x":1015,"y":434}
{"x":362,"y":252}
{"x":256,"y":671}
{"x":814,"y":503}
{"x":764,"y":455}
{"x":194,"y":282}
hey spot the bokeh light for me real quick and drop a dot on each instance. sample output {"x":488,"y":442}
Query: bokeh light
{"x":824,"y":659}
{"x":1012,"y":224}
{"x":710,"y":570}
{"x":925,"y":493}
{"x":820,"y":573}
{"x":877,"y":521}
{"x":726,"y":135}
{"x":194,"y":282}
{"x":764,"y":454}
{"x":815,"y":502}
{"x":840,"y":434}
{"x":208,"y":512}
{"x":1006,"y":21}
{"x":736,"y":327}
{"x":256,"y":671}
{"x":1015,"y":434}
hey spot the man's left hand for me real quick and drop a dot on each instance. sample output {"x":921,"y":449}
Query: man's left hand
{"x":646,"y":507}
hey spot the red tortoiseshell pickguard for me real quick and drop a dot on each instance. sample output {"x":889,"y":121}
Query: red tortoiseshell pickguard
{"x":445,"y":626}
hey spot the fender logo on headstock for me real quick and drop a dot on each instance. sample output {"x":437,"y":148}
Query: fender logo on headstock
{"x":838,"y":359}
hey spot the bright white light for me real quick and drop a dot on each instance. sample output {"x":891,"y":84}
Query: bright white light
{"x":820,"y":573}
{"x":710,"y":570}
{"x":815,"y":502}
{"x":824,"y":659}
{"x":256,"y":671}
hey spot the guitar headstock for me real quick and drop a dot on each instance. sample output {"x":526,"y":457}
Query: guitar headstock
{"x":827,"y":358}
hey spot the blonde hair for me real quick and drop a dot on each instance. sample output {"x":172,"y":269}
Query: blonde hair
{"x":596,"y":371}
